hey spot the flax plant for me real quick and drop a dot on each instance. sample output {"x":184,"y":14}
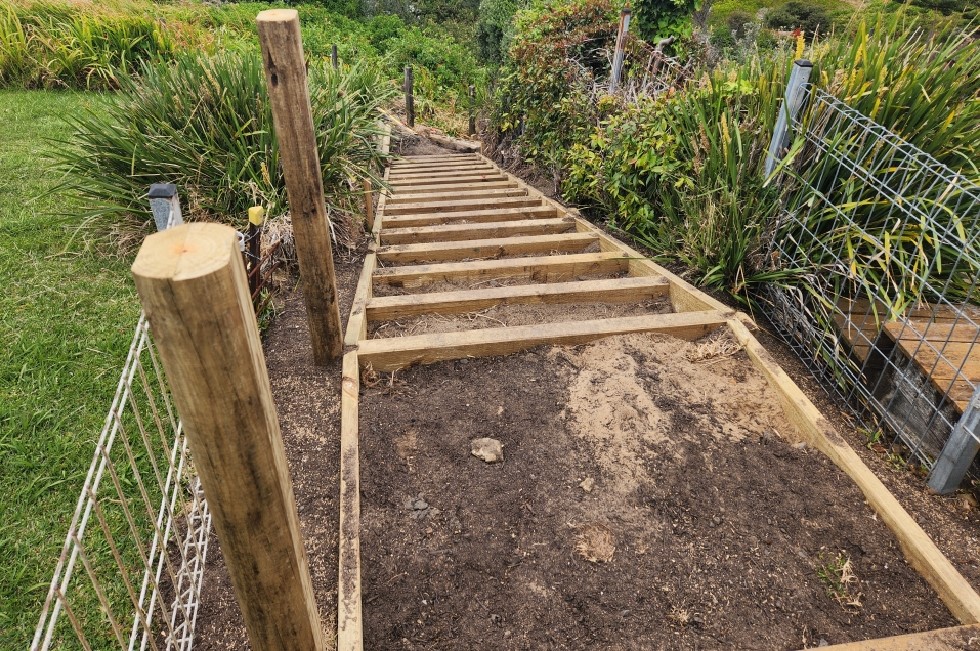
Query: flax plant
{"x":205,"y":124}
{"x":875,"y":222}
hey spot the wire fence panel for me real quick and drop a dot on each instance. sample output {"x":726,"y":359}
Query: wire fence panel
{"x":885,"y":240}
{"x":130,"y":572}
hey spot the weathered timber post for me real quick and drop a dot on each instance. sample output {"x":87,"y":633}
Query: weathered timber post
{"x":256,"y":215}
{"x":472,"y":129}
{"x":620,"y":51}
{"x":960,"y":450}
{"x":285,"y":73}
{"x":334,"y":59}
{"x":369,"y":204}
{"x":792,"y":103}
{"x":192,"y":285}
{"x":165,"y":205}
{"x":409,"y":97}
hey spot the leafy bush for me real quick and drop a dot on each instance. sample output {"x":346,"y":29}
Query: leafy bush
{"x":205,"y":124}
{"x":810,"y":18}
{"x":659,"y":19}
{"x":494,"y":28}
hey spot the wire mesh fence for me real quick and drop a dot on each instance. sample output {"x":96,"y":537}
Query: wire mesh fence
{"x":130,"y":572}
{"x":885,"y":241}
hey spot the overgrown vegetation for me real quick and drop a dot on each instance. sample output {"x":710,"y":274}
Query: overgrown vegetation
{"x":682,"y":170}
{"x":205,"y":123}
{"x":84,"y":45}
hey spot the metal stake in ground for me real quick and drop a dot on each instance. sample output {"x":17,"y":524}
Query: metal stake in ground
{"x":618,"y":55}
{"x":285,"y":73}
{"x":792,"y":103}
{"x":409,"y":97}
{"x":960,"y":450}
{"x":192,"y":285}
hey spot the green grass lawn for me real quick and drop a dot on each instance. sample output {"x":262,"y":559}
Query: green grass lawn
{"x":67,"y":314}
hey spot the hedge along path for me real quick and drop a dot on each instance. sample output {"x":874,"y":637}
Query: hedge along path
{"x":457,"y":229}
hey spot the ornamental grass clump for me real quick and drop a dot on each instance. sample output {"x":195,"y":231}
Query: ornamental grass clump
{"x":205,"y":124}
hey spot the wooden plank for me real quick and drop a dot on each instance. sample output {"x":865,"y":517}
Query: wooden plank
{"x":952,"y":361}
{"x":919,"y":549}
{"x":545,"y":268}
{"x":289,"y":98}
{"x":954,"y":638}
{"x":472,"y":216}
{"x":488,"y":248}
{"x":489,"y":193}
{"x":606,"y":291}
{"x":357,"y":323}
{"x":426,"y":158}
{"x":454,"y":187}
{"x":459,"y":205}
{"x":683,"y":295}
{"x":455,"y":232}
{"x":399,"y":352}
{"x":350,"y":620}
{"x":462,"y":178}
{"x":192,"y":285}
{"x":961,"y":332}
{"x":407,"y":177}
{"x":439,"y":165}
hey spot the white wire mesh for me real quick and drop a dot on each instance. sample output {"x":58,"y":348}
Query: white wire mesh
{"x":143,"y":556}
{"x":886,"y":239}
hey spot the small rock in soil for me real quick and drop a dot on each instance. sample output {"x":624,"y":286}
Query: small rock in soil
{"x":420,"y":504}
{"x":587,"y":484}
{"x":487,"y":449}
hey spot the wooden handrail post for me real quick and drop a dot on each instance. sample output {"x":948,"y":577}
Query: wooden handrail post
{"x":620,"y":52}
{"x":192,"y":285}
{"x":334,"y":58}
{"x":285,"y":73}
{"x":409,"y":97}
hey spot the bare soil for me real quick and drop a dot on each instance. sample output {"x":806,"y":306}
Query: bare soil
{"x":703,"y":527}
{"x":308,"y":401}
{"x":513,"y":315}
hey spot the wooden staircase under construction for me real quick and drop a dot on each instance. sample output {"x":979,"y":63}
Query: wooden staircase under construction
{"x":455,"y":235}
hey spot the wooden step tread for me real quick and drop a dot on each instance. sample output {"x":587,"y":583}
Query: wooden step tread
{"x":462,"y":178}
{"x":486,"y":248}
{"x":607,"y":290}
{"x":459,"y":205}
{"x":486,"y":215}
{"x":398,"y":352}
{"x":455,"y":232}
{"x":452,"y":187}
{"x":470,"y":193}
{"x":554,"y":268}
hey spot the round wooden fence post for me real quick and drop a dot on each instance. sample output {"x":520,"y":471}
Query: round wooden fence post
{"x":472,"y":110}
{"x":409,"y":97}
{"x":192,"y":285}
{"x":285,"y":73}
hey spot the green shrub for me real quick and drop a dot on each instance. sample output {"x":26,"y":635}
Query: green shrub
{"x":808,"y":17}
{"x":658,"y":19}
{"x":494,"y":28}
{"x":205,"y":124}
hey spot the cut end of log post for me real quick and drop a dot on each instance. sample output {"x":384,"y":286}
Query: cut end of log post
{"x":186,"y":251}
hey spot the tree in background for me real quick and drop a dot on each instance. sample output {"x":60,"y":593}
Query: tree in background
{"x":495,"y":28}
{"x":660,"y":19}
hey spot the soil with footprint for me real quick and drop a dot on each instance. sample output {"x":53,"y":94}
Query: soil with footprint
{"x":650,"y":496}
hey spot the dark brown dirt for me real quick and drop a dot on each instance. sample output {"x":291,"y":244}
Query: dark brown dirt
{"x":308,"y":400}
{"x":718,"y":526}
{"x":953,"y":522}
{"x":512,"y":315}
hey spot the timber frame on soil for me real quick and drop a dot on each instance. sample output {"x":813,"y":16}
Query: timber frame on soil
{"x":511,"y":210}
